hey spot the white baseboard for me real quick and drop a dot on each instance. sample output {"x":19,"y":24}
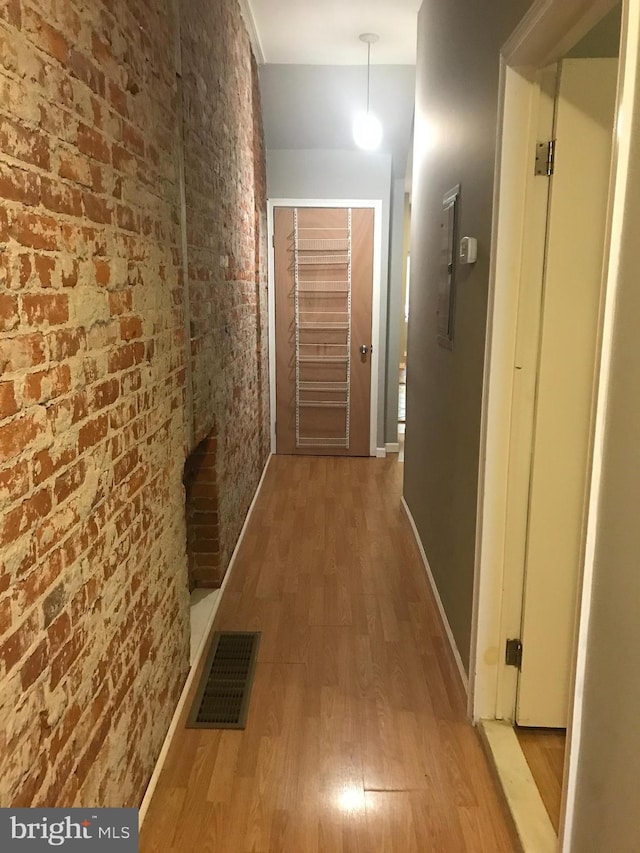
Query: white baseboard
{"x":443,"y":616}
{"x":528,"y":813}
{"x":199,"y":655}
{"x":381,"y":453}
{"x":392,"y":447}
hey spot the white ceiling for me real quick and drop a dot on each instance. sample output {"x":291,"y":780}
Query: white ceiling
{"x":325,"y":32}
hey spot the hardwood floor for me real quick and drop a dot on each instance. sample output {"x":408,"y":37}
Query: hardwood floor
{"x":544,"y":751}
{"x":357,"y":738}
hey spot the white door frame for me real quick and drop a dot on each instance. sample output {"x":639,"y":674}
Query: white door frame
{"x":545,"y":34}
{"x":376,"y":205}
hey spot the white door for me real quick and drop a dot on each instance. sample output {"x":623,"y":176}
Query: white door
{"x":564,"y":389}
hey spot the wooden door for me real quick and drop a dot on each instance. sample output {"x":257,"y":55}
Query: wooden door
{"x":562,"y":437}
{"x":323,"y":293}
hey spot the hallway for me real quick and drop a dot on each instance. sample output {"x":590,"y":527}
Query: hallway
{"x":356,"y":737}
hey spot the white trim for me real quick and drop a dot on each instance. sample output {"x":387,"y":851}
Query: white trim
{"x":144,"y":806}
{"x":252,"y":31}
{"x":376,"y":205}
{"x":381,"y":453}
{"x":621,"y":165}
{"x":392,"y":447}
{"x":544,"y":35}
{"x":512,"y":158}
{"x":443,"y":616}
{"x":530,"y":817}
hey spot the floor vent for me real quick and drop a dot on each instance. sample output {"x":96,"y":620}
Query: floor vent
{"x":222,"y":700}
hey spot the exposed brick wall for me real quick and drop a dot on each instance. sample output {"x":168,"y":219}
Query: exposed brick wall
{"x":226,"y":229}
{"x":203,"y":546}
{"x":93,"y":597}
{"x":93,"y":565}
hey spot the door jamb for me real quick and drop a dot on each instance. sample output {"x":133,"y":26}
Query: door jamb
{"x":546,"y":32}
{"x":376,"y":205}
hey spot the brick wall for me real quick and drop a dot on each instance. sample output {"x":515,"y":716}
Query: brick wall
{"x":93,"y":585}
{"x":226,"y":229}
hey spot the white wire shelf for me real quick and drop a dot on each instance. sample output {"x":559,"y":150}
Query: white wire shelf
{"x":324,"y":359}
{"x":324,"y":260}
{"x":323,"y":404}
{"x":323,"y":244}
{"x":304,"y":441}
{"x":323,"y":386}
{"x":323,"y":326}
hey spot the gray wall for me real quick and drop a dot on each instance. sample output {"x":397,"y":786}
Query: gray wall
{"x":608,"y":794}
{"x":329,"y":174}
{"x":456,"y":113}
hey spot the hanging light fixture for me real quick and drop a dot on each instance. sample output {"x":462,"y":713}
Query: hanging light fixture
{"x":367,"y":130}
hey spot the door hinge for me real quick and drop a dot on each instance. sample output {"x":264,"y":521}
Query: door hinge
{"x":513,"y":653}
{"x":273,"y":240}
{"x":545,"y":158}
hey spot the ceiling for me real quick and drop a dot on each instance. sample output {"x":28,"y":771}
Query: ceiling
{"x":325,"y":32}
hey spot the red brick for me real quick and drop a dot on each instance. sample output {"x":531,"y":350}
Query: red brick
{"x":35,"y":230}
{"x":6,"y":619}
{"x":18,"y":434}
{"x":9,"y":317}
{"x":65,"y":657}
{"x":105,"y":394}
{"x":59,"y":632}
{"x":68,"y":411}
{"x":55,"y":528}
{"x":21,"y":352}
{"x":127,"y":218}
{"x":64,"y":343}
{"x":11,"y":13}
{"x":8,"y":404}
{"x":75,"y":168}
{"x":46,"y":37}
{"x":35,"y":584}
{"x":125,"y":466}
{"x":47,"y":462}
{"x":61,"y":198}
{"x":132,"y":139}
{"x":18,"y":185}
{"x":23,"y":143}
{"x":96,"y":209}
{"x":45,"y":308}
{"x":93,"y":432}
{"x":13,"y":649}
{"x":21,"y":519}
{"x":45,"y":265}
{"x":85,"y":70}
{"x":120,"y":302}
{"x":46,"y":385}
{"x":69,"y":482}
{"x":70,"y":274}
{"x":130,"y":328}
{"x":103,"y":271}
{"x":93,"y":144}
{"x":34,"y":665}
{"x":118,"y":99}
{"x":14,"y":481}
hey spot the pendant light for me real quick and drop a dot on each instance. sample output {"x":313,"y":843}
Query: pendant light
{"x":367,"y":130}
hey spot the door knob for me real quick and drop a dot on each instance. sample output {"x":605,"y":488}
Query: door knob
{"x":364,"y":349}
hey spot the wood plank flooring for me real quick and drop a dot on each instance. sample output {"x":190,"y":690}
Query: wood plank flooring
{"x":357,"y":739}
{"x":544,"y":751}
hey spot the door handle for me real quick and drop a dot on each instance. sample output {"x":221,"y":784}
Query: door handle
{"x":364,"y":349}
